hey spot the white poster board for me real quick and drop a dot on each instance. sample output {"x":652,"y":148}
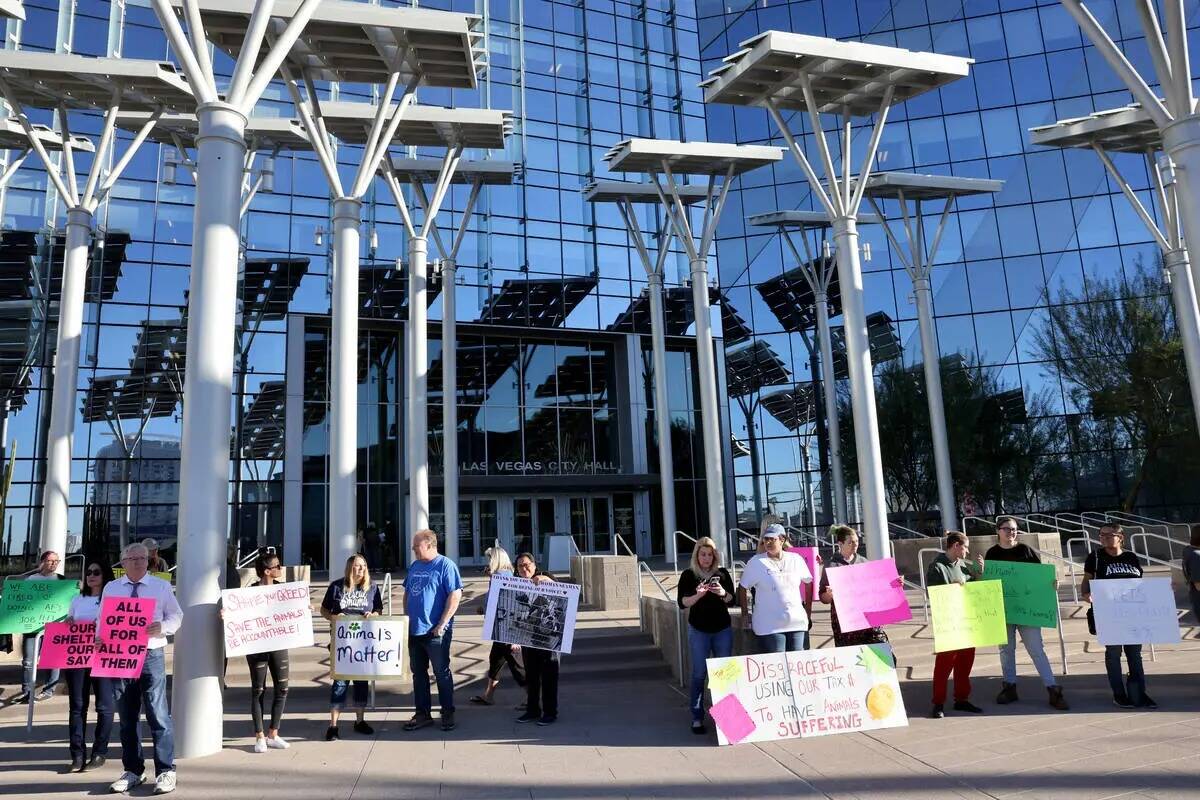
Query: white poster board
{"x":259,"y":619}
{"x":1135,"y":611}
{"x":558,"y":553}
{"x":529,"y":614}
{"x":369,"y":648}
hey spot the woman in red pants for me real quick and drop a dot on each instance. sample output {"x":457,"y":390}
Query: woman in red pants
{"x":952,"y":567}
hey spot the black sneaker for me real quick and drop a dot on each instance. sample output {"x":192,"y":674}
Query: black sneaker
{"x":938,"y":712}
{"x":1008,"y":694}
{"x":547,"y":719}
{"x":19,"y":699}
{"x":1147,"y":702}
{"x":331,"y":734}
{"x":362,"y":727}
{"x":1122,"y":701}
{"x":44,"y":694}
{"x":421,"y":719}
{"x":95,"y":762}
{"x":527,"y":717}
{"x":448,"y":723}
{"x":967,"y":705}
{"x":75,"y":766}
{"x":698,"y":728}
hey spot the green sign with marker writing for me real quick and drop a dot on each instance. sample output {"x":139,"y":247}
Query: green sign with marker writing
{"x":26,"y":606}
{"x":1030,"y":593}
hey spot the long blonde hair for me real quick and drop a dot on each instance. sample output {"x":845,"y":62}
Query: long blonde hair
{"x":705,"y":541}
{"x":498,"y":560}
{"x":350,"y":565}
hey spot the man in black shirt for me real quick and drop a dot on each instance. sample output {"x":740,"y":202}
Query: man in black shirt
{"x":1009,"y":549}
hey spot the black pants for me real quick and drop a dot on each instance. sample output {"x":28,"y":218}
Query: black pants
{"x":500,"y":655}
{"x":81,"y":685}
{"x":277,"y":663}
{"x":541,"y":674}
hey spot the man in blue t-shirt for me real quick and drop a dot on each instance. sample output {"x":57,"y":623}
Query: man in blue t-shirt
{"x":432,"y":592}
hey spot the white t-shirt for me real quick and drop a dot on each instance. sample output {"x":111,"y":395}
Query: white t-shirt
{"x":778,"y":602}
{"x":85,"y":608}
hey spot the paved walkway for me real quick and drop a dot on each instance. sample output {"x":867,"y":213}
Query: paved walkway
{"x":629,"y":737}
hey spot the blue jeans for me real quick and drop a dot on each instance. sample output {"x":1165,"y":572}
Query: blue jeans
{"x":82,"y":686}
{"x":1032,"y":637}
{"x":783,"y":642}
{"x":1135,"y":690}
{"x":705,"y":645}
{"x":129,"y":694}
{"x":28,"y":674}
{"x":426,"y":650}
{"x":337,"y":694}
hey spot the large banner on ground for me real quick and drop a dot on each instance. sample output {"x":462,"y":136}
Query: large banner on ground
{"x":68,"y":645}
{"x":868,"y":595}
{"x":967,"y":615}
{"x":807,"y":693}
{"x":123,"y":637}
{"x":1135,"y":611}
{"x":259,"y":619}
{"x":1030,"y":592}
{"x":531,"y":614}
{"x":26,"y":606}
{"x":367,"y":649}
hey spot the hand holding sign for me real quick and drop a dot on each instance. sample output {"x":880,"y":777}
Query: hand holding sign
{"x":967,"y":615}
{"x":123,"y":634}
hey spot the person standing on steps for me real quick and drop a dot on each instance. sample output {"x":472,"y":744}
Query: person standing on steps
{"x":781,"y":612}
{"x":47,"y":571}
{"x":501,"y":653}
{"x":541,"y":666}
{"x":1009,"y":549}
{"x":277,"y":663}
{"x":706,"y":590}
{"x":81,"y":684}
{"x":845,"y":555}
{"x":432,"y":592}
{"x":952,"y":567}
{"x":352,"y":595}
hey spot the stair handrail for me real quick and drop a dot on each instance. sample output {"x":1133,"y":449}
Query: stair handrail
{"x":679,"y":619}
{"x":910,"y":533}
{"x":984,"y":520}
{"x":387,"y":590}
{"x":1146,"y":522}
{"x":921,"y":566}
{"x":687,"y":536}
{"x":619,"y":539}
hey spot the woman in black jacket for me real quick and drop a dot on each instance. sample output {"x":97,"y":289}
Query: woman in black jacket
{"x":706,"y":590}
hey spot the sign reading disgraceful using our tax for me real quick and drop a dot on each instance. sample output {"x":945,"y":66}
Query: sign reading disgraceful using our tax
{"x":369,"y":648}
{"x":259,"y":619}
{"x":764,"y":698}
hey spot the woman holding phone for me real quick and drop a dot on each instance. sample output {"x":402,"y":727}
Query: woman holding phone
{"x":706,"y":591}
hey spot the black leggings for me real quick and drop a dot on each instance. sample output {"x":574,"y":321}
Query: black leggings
{"x":277,"y":662}
{"x":500,"y":655}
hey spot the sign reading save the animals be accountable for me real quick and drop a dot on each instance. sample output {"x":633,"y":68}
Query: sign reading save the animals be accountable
{"x":367,"y":648}
{"x":259,"y":619}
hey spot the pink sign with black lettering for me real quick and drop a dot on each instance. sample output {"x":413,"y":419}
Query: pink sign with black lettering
{"x":124,"y":633}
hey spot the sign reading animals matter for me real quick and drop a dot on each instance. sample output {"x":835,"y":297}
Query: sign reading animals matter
{"x":259,"y":619}
{"x":774,"y":696}
{"x":68,"y":645}
{"x":123,"y":636}
{"x":967,"y":615}
{"x":26,"y":606}
{"x":1030,"y":593}
{"x":868,"y":595}
{"x":529,"y":614}
{"x":1135,"y":611}
{"x":367,"y":648}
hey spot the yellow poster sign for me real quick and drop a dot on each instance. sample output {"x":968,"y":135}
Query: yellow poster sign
{"x":967,"y":615}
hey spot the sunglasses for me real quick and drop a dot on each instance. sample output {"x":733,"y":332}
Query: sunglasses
{"x":95,"y":572}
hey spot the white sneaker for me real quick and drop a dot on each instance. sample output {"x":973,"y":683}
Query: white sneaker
{"x":277,"y":742}
{"x":165,"y":782}
{"x":260,"y":745}
{"x":126,"y":782}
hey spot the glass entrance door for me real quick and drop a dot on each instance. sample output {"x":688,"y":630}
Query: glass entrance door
{"x":533,"y":522}
{"x":477,"y":529}
{"x":591,"y":523}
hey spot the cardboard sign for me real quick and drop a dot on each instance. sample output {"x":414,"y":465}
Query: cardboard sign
{"x":765,"y":698}
{"x":868,"y":595}
{"x":68,"y":646}
{"x":809,"y":554}
{"x":260,"y":619}
{"x":368,"y":649}
{"x":967,"y":615}
{"x":529,"y":614}
{"x":1030,"y":592}
{"x":1135,"y":611}
{"x":26,"y":606}
{"x":123,"y":634}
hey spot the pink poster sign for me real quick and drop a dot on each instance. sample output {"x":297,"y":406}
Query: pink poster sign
{"x":868,"y":595}
{"x":68,"y":645}
{"x":124,"y":633}
{"x":809,"y":554}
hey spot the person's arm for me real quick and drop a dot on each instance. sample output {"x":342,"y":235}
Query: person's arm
{"x":451,"y":608}
{"x":327,"y":604}
{"x":743,"y":596}
{"x":726,"y":581}
{"x":172,"y":615}
{"x":376,"y":602}
{"x":690,"y":590}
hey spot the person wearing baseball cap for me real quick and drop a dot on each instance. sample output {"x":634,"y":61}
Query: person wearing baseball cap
{"x":781,"y":611}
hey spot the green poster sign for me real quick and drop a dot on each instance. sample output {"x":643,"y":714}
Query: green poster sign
{"x":1030,"y":592}
{"x":967,"y":615}
{"x":26,"y":606}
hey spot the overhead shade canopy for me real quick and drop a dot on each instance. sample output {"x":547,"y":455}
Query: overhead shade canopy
{"x":360,"y":42}
{"x":1124,"y":130}
{"x":689,"y":158}
{"x":845,"y":76}
{"x":12,"y":9}
{"x":422,"y":126}
{"x":891,"y":185}
{"x":536,"y":303}
{"x":791,"y":298}
{"x":801,"y":220}
{"x":266,"y":133}
{"x":44,"y":80}
{"x":12,"y":137}
{"x":268,"y":285}
{"x":677,"y":312}
{"x":113,"y":397}
{"x":793,"y":407}
{"x":619,"y":191}
{"x":733,"y":328}
{"x":752,"y":367}
{"x":383,"y":290}
{"x":263,"y":423}
{"x":490,"y":173}
{"x":161,"y":347}
{"x":105,"y":262}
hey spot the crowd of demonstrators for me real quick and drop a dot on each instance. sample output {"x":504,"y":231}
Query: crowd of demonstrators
{"x":1113,"y":562}
{"x":706,"y":590}
{"x":1191,"y":573}
{"x":433,"y":589}
{"x":47,"y":571}
{"x":352,"y":595}
{"x":80,"y":683}
{"x":1009,"y":549}
{"x":498,"y":563}
{"x":149,"y":690}
{"x":275,"y":662}
{"x":541,"y":666}
{"x":780,"y":619}
{"x":846,"y":554}
{"x":951,"y":566}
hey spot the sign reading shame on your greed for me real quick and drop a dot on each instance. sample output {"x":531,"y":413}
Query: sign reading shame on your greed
{"x":68,"y":645}
{"x":26,"y":606}
{"x":259,"y":619}
{"x":967,"y":615}
{"x":124,"y":634}
{"x":1030,"y":592}
{"x":807,"y":693}
{"x":367,"y":648}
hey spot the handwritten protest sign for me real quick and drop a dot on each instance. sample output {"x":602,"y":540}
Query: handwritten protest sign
{"x":1030,"y":596}
{"x":804,"y":694}
{"x":367,"y":648}
{"x":809,"y":554}
{"x":967,"y":615}
{"x":26,"y":606}
{"x":530,"y":614}
{"x":68,"y":645}
{"x":124,"y":623}
{"x":259,"y":619}
{"x":868,"y":595}
{"x":1135,"y":611}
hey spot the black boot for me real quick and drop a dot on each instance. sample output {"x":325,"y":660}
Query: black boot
{"x":1008,"y":694}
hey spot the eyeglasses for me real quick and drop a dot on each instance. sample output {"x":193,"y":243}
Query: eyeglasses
{"x":95,"y":572}
{"x":1009,"y":529}
{"x":275,"y":566}
{"x":135,"y":558}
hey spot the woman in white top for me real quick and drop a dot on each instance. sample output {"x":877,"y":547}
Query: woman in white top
{"x":85,"y":609}
{"x":781,"y":611}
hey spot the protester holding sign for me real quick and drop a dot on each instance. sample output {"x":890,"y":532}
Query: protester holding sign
{"x":846,"y":555}
{"x":541,"y":666}
{"x":502,"y":652}
{"x":276,"y":662}
{"x":1009,"y":549}
{"x":150,"y":687}
{"x":781,"y":611}
{"x":432,"y":592}
{"x":706,"y":591}
{"x":952,"y":567}
{"x":1112,"y":562}
{"x":80,"y":683}
{"x":351,"y":595}
{"x":47,"y":571}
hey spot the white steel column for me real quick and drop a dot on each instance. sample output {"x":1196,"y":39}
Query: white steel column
{"x":418,"y":377}
{"x":343,"y":384}
{"x":450,"y":408}
{"x":662,"y":409}
{"x":931,"y":361}
{"x":1187,"y":316}
{"x":829,"y":393}
{"x":714,"y":480}
{"x":1181,"y":142}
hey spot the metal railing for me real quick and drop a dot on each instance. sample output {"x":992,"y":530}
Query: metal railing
{"x":691,"y":539}
{"x":903,"y":532}
{"x":679,"y":619}
{"x":619,"y":539}
{"x":744,"y":537}
{"x":971,"y":518}
{"x":387,"y":591}
{"x":804,"y":536}
{"x":1160,"y":523}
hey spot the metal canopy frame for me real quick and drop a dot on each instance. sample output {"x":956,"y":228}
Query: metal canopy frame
{"x":12,"y":9}
{"x":13,"y":136}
